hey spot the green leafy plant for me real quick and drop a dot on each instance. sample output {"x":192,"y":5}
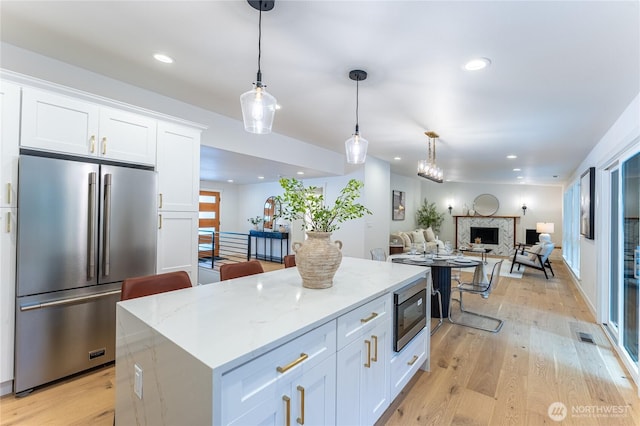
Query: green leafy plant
{"x":307,"y":203}
{"x":255,"y":220}
{"x":428,"y":216}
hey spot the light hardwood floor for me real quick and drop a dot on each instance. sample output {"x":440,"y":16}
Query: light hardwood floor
{"x":476,"y":378}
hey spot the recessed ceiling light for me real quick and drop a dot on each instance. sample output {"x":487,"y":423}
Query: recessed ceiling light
{"x":519,"y":177}
{"x":300,"y":173}
{"x":511,"y":156}
{"x":230,"y":180}
{"x":278,"y":106}
{"x":397,"y":158}
{"x":161,"y":57}
{"x":261,"y":177}
{"x":516,"y":169}
{"x":477,"y":64}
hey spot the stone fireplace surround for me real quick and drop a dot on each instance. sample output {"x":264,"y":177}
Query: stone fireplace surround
{"x":506,"y":233}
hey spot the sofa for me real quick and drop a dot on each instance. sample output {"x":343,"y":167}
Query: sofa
{"x":408,"y":238}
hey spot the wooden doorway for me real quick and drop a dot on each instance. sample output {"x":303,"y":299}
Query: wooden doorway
{"x":209,"y":225}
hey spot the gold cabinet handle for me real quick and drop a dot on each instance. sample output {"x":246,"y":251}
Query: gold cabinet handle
{"x":159,"y":221}
{"x":287,"y":408}
{"x":92,"y":143}
{"x":8,"y":222}
{"x":375,"y":348}
{"x":300,"y":419}
{"x":369,"y":318}
{"x":9,"y":193}
{"x":413,"y":360}
{"x":104,"y":146}
{"x":368,"y":363}
{"x":292,"y":364}
{"x":160,"y":206}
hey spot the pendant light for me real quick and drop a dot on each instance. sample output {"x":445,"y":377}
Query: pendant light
{"x":258,"y":106}
{"x":428,"y":168}
{"x":356,"y":145}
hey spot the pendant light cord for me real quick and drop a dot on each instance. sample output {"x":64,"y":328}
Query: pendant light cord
{"x":259,"y":37}
{"x":357,"y":103}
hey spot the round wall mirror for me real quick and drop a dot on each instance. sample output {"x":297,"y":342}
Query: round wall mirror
{"x":271,"y":210}
{"x":486,"y":204}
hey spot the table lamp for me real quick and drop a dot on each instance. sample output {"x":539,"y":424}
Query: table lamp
{"x":545,"y":228}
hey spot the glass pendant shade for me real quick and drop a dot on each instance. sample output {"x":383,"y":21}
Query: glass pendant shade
{"x":258,"y":110}
{"x":356,"y":147}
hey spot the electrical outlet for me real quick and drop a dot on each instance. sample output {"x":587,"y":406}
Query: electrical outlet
{"x":137,"y":384}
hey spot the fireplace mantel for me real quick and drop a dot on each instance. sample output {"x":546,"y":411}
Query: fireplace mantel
{"x":506,"y":225}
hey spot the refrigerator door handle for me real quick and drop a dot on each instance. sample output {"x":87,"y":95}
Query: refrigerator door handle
{"x":91,"y":261}
{"x":70,"y":301}
{"x":106,"y":225}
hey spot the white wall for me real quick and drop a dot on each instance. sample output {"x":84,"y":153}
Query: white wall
{"x":622,"y":136}
{"x":544,"y":204}
{"x":377,"y":198}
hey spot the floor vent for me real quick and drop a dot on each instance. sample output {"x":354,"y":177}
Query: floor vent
{"x":586,"y":337}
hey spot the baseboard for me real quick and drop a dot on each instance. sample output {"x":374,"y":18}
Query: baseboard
{"x":6,"y":387}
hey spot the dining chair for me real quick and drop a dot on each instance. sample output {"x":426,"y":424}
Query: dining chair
{"x":290,"y":261}
{"x":240,"y":269}
{"x":480,"y":287}
{"x":378,"y":254}
{"x":154,"y":284}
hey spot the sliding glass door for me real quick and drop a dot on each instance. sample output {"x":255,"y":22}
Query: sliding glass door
{"x":630,"y":204}
{"x":624,"y":272}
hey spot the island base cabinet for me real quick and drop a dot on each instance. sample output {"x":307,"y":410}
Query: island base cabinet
{"x":363,"y":378}
{"x":406,"y":363}
{"x":308,"y":399}
{"x":297,"y":377}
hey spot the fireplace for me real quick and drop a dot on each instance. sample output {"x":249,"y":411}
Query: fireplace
{"x":486,"y":235}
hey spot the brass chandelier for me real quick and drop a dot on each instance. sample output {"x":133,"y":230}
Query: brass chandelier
{"x":428,"y":168}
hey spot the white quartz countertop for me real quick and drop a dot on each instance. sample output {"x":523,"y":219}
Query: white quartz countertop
{"x":228,"y":323}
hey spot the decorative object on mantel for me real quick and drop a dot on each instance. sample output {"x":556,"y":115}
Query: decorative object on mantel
{"x":486,"y":204}
{"x":318,"y":259}
{"x":428,"y":168}
{"x":427,"y":216}
{"x":255,"y":221}
{"x":465,"y":210}
{"x":258,"y":106}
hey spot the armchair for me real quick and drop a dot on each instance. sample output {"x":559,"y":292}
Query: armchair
{"x":537,"y":257}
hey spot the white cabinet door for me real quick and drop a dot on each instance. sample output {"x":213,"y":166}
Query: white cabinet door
{"x":9,"y":142}
{"x":58,"y":123}
{"x":127,"y":137}
{"x":178,"y":165}
{"x":363,"y":377}
{"x":314,"y":395}
{"x":178,"y":243}
{"x":8,"y":228}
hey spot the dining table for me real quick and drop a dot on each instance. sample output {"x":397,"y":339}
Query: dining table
{"x":441,"y":266}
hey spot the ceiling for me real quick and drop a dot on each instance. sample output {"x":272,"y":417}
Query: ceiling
{"x":561,"y":72}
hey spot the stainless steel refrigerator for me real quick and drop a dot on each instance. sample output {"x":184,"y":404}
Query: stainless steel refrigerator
{"x":82,"y":228}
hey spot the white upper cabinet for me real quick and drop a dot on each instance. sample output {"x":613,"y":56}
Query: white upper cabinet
{"x":127,"y":137}
{"x":9,"y":142}
{"x":57,"y":123}
{"x":178,"y":166}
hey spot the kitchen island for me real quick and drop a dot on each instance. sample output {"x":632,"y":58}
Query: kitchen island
{"x":222,"y":353}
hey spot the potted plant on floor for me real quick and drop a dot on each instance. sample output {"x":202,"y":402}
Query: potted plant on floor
{"x":318,"y":258}
{"x":428,"y":216}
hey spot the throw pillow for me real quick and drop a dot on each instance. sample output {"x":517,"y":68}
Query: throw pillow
{"x":430,"y":236}
{"x":534,"y":250}
{"x":418,"y":237}
{"x":405,"y":239}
